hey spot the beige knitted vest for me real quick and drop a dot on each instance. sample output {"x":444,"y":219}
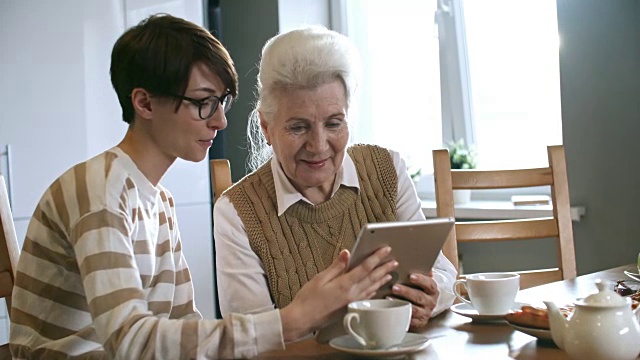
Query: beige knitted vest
{"x":306,"y":239}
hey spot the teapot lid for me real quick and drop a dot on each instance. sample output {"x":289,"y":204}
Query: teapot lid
{"x":604,"y":297}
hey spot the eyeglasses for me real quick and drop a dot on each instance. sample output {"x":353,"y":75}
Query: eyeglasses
{"x":208,"y":106}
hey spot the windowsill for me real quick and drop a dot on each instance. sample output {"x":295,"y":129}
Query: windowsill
{"x":496,"y":210}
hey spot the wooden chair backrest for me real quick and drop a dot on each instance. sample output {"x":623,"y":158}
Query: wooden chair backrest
{"x":9,"y":253}
{"x":558,"y":226}
{"x":220,"y":176}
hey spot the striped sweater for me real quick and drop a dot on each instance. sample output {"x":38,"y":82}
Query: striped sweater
{"x":101,"y":275}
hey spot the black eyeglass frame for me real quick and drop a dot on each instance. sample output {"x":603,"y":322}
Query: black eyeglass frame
{"x":225,"y":99}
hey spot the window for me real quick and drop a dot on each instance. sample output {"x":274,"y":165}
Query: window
{"x":512,"y":47}
{"x":399,"y":96}
{"x":485,"y":71}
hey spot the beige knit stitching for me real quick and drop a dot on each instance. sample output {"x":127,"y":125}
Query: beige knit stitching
{"x":303,"y":241}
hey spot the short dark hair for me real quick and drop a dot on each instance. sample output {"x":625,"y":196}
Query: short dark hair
{"x":158,"y":55}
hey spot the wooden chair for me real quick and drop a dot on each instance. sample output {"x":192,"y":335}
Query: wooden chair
{"x":220,"y":176}
{"x":559,"y":226}
{"x":9,"y":253}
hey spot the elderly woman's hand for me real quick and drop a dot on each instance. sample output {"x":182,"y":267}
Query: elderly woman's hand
{"x":333,"y":289}
{"x":424,"y":299}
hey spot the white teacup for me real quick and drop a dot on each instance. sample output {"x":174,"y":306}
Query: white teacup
{"x":378,"y":324}
{"x":490,"y":293}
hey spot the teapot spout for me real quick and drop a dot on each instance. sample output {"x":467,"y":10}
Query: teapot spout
{"x":558,"y":324}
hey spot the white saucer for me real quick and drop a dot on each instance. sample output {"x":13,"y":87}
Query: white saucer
{"x":467,"y":310}
{"x":349,"y":345}
{"x":541,"y":334}
{"x":635,"y":277}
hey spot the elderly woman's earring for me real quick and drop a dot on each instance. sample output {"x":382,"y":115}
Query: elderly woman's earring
{"x":268,"y":143}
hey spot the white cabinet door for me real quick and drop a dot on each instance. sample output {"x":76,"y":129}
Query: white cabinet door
{"x":189,"y":182}
{"x":136,"y":10}
{"x":4,"y":326}
{"x":54,"y":66}
{"x":58,"y":108}
{"x":41,"y":94}
{"x":194,"y":222}
{"x":21,"y":230}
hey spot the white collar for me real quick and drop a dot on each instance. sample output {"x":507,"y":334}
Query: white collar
{"x":287,"y":195}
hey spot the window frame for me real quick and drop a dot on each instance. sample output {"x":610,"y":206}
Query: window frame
{"x":455,"y":84}
{"x":455,"y":80}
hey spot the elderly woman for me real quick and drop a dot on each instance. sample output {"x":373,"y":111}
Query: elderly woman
{"x":287,"y":220}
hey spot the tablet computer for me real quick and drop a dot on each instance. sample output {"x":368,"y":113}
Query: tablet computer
{"x":414,"y":244}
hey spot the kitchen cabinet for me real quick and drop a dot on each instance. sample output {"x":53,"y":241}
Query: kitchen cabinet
{"x":58,"y":104}
{"x":59,"y":108}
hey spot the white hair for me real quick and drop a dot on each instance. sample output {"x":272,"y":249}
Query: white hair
{"x":299,"y":59}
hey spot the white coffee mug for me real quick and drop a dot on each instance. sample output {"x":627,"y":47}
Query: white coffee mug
{"x":378,"y":324}
{"x":490,"y":293}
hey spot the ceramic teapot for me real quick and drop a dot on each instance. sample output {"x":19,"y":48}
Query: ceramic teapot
{"x":602,"y":326}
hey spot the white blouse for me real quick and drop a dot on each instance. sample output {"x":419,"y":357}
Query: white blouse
{"x":242,"y":282}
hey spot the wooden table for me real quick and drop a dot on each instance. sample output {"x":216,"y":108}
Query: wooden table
{"x":457,"y":337}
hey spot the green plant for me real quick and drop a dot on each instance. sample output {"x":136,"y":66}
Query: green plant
{"x":461,"y":155}
{"x":414,"y":173}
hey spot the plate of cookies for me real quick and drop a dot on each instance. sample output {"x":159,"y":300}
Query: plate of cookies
{"x":534,"y":321}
